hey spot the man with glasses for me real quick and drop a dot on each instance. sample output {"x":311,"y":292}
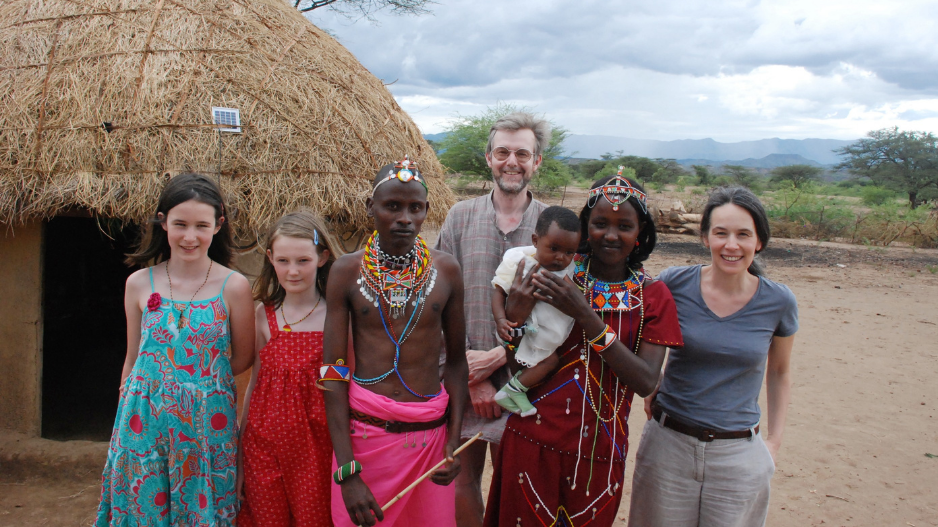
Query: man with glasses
{"x":478,"y":232}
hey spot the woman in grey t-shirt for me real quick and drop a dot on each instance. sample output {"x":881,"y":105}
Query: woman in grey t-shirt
{"x":701,"y":460}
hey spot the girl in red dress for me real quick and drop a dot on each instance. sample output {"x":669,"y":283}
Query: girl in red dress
{"x":286,"y":454}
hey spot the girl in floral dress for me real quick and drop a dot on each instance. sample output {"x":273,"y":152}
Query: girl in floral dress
{"x":286,"y":449}
{"x":172,"y":457}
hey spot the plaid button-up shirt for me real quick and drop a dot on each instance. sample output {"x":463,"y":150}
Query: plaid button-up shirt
{"x":471,"y":234}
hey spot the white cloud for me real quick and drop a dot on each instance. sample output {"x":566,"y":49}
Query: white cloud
{"x":665,"y":70}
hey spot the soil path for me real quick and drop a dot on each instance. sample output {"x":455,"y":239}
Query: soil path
{"x":863,"y":425}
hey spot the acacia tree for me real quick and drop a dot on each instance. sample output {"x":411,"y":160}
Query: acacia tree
{"x":704,"y":176}
{"x":742,"y":176}
{"x":799,"y":175}
{"x":903,"y":161}
{"x":366,"y":8}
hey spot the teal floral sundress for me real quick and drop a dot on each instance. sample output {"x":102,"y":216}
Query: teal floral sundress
{"x":173,"y":453}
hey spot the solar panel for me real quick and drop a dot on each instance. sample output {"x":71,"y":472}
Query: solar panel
{"x":227,"y":119}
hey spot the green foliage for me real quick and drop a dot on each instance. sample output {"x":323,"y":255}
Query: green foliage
{"x":704,"y":176}
{"x":743,"y":177}
{"x":798,"y":174}
{"x":463,"y":148}
{"x":644,"y":170}
{"x":873,"y":195}
{"x":587,"y":170}
{"x":668,"y":171}
{"x":801,"y":212}
{"x":903,"y":161}
{"x":552,"y":175}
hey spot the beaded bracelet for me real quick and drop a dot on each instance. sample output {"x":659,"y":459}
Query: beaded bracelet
{"x":509,"y":346}
{"x":334,"y":372}
{"x":600,"y":347}
{"x":346,"y":471}
{"x":601,"y":335}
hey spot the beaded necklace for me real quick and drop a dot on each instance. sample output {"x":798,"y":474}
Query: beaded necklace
{"x":395,"y":281}
{"x":383,"y":280}
{"x":598,"y":289}
{"x":608,"y":296}
{"x":616,"y":297}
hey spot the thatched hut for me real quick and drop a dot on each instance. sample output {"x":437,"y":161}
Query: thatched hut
{"x":101,"y":102}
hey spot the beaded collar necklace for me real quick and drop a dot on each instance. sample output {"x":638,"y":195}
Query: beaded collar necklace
{"x":382,"y":280}
{"x":608,"y":296}
{"x":395,"y":281}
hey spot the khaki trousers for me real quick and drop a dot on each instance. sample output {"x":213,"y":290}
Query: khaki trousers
{"x":682,"y":482}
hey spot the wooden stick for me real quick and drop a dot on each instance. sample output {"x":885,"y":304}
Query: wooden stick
{"x":427,"y":474}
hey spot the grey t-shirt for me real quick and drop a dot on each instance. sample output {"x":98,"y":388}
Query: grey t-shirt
{"x":715,"y":379}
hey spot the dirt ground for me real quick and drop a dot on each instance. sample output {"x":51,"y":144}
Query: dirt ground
{"x":861,"y":446}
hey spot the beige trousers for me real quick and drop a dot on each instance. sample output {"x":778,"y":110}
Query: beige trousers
{"x":682,"y":482}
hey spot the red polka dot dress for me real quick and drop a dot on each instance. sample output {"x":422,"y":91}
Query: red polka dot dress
{"x":287,"y":450}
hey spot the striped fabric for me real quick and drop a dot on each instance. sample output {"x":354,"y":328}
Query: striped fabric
{"x":472,"y":236}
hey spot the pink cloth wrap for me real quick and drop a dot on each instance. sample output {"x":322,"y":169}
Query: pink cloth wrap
{"x":391,"y":462}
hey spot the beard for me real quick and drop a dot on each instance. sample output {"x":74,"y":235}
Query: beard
{"x":512,"y":187}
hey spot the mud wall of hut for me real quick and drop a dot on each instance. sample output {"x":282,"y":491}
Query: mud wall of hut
{"x":21,"y":328}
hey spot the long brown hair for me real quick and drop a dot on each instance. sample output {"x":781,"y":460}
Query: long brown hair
{"x":153,"y":246}
{"x":741,"y":197}
{"x":298,"y":224}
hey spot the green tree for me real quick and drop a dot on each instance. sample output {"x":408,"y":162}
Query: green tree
{"x":704,"y":176}
{"x":668,"y":171}
{"x":799,"y":175}
{"x":742,"y":176}
{"x":365,"y":8}
{"x":903,"y":161}
{"x":644,"y":168}
{"x":463,"y":148}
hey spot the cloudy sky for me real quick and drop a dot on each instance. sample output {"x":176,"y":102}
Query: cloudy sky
{"x":672,"y":69}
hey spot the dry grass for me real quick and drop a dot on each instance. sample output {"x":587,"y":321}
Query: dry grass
{"x":316,"y":124}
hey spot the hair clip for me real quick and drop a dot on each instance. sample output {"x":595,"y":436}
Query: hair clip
{"x":404,"y":171}
{"x":315,"y":237}
{"x":617,"y":191}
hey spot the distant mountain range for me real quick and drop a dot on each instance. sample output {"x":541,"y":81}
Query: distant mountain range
{"x":764,"y":153}
{"x":708,"y":151}
{"x":769,"y":161}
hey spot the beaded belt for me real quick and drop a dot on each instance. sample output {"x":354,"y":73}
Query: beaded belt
{"x":700,"y":433}
{"x":398,"y":427}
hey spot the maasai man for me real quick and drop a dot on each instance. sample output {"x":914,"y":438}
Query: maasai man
{"x":392,"y":420}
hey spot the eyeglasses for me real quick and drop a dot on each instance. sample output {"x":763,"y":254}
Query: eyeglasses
{"x":523,"y":155}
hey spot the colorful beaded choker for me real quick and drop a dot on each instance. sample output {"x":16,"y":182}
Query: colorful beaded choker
{"x":385,"y":279}
{"x":617,"y":191}
{"x":608,"y":296}
{"x":403,"y":171}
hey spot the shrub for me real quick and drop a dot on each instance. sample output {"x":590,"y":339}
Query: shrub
{"x":872,"y":195}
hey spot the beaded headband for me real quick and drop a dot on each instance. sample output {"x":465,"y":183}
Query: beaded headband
{"x":403,"y":171}
{"x":617,"y":191}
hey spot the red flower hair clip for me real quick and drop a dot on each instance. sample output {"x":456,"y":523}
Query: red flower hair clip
{"x":153,"y":303}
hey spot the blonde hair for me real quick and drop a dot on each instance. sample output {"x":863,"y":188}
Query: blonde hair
{"x":297,"y":224}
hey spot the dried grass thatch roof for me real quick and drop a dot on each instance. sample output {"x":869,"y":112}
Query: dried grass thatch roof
{"x":316,"y":124}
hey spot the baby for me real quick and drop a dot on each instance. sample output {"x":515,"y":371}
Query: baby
{"x":556,"y":238}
